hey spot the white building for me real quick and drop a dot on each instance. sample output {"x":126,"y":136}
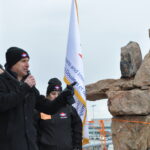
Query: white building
{"x":95,"y":129}
{"x":96,"y":134}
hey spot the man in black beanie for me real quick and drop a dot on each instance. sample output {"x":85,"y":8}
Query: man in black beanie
{"x":13,"y":55}
{"x":18,"y":99}
{"x":63,"y":130}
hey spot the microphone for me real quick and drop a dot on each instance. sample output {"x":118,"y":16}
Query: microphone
{"x":34,"y":87}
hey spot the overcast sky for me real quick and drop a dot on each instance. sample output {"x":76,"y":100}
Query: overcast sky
{"x":41,"y":28}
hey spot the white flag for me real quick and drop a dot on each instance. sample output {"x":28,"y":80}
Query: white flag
{"x":74,"y":69}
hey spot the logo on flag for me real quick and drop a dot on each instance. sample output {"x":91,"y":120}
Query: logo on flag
{"x":81,"y":55}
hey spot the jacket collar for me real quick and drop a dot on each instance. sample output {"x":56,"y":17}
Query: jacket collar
{"x":13,"y":74}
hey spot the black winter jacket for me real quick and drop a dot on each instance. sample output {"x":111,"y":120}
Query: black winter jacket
{"x":17,"y":103}
{"x":62,"y":132}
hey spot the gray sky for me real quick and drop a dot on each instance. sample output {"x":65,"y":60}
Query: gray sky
{"x":41,"y":28}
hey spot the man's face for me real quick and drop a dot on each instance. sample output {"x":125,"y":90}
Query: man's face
{"x":21,"y":67}
{"x":53,"y":95}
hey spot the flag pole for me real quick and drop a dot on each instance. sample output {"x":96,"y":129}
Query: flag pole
{"x":77,"y":10}
{"x":85,"y":140}
{"x":74,"y":68}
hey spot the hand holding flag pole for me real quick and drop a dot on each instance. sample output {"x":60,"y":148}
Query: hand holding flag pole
{"x":70,"y":90}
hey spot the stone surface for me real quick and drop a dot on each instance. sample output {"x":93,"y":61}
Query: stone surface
{"x":142,"y":77}
{"x":132,"y":102}
{"x":130,"y":135}
{"x":131,"y":59}
{"x":128,"y":100}
{"x":99,"y":90}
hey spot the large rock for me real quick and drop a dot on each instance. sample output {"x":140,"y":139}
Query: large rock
{"x":128,"y":100}
{"x":131,"y":133}
{"x":142,"y":77}
{"x":99,"y":90}
{"x":131,"y":59}
{"x":132,"y":102}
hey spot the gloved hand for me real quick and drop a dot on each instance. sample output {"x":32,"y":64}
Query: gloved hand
{"x":68,"y":93}
{"x":70,"y":87}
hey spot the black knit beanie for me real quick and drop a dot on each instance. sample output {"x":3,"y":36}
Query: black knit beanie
{"x":54,"y":84}
{"x":13,"y":55}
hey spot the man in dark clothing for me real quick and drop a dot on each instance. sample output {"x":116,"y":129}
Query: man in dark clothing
{"x":18,"y":99}
{"x":63,"y":130}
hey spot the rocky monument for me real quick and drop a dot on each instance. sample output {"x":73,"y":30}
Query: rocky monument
{"x":128,"y":100}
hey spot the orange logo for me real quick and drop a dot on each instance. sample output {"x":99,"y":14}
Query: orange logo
{"x":80,"y":55}
{"x":45,"y":116}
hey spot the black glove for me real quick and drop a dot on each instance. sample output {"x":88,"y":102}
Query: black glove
{"x":70,"y":87}
{"x":68,"y":93}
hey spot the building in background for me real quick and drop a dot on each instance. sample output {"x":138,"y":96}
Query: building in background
{"x":99,"y":134}
{"x":95,"y":129}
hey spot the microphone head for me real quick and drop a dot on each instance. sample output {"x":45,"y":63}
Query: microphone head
{"x":29,"y":73}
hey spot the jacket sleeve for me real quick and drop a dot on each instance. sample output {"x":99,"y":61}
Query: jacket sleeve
{"x":47,"y":106}
{"x":76,"y":124}
{"x":9,"y":100}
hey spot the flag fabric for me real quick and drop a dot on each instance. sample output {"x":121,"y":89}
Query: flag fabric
{"x":74,"y":69}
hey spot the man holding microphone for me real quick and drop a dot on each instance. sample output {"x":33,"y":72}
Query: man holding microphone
{"x":18,"y":99}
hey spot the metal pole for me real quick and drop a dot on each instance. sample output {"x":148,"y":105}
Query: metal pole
{"x":93,"y":110}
